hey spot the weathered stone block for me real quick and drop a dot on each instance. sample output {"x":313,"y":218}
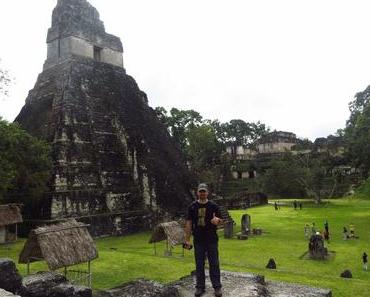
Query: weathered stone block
{"x":249,"y":285}
{"x":228,"y":229}
{"x":271,"y":264}
{"x":242,"y":236}
{"x":69,"y":290}
{"x":257,"y":231}
{"x":42,"y":284}
{"x":346,"y":274}
{"x":141,"y":288}
{"x":10,"y":280}
{"x":4,"y":293}
{"x":81,"y":291}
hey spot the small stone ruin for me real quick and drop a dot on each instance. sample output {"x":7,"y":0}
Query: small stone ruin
{"x":140,"y":288}
{"x":316,"y":247}
{"x":10,"y":280}
{"x":346,"y":274}
{"x":271,"y":264}
{"x":4,"y":293}
{"x":43,"y":284}
{"x":247,"y":285}
{"x":245,"y":227}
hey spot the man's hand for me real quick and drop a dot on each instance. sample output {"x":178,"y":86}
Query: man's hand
{"x":215,"y":220}
{"x":187,"y":245}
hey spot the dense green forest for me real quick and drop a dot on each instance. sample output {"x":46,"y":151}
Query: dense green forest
{"x":25,"y":166}
{"x":316,"y":175}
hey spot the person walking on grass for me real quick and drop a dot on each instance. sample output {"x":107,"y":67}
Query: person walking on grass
{"x":345,"y":233}
{"x":351,"y":230}
{"x":326,"y":230}
{"x":202,"y":220}
{"x":364,"y":261}
{"x":313,"y":228}
{"x":307,"y":231}
{"x":326,"y":226}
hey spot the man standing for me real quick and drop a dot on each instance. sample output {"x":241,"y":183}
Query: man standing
{"x":364,"y":261}
{"x":202,"y":220}
{"x":326,"y":226}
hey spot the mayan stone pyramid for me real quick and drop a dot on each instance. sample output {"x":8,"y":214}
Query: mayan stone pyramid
{"x":115,"y":165}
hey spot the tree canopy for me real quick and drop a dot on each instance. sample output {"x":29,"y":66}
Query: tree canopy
{"x":5,"y":81}
{"x":357,"y":131}
{"x":204,"y":150}
{"x":24,"y":165}
{"x":202,"y":141}
{"x":305,"y":175}
{"x":234,"y":132}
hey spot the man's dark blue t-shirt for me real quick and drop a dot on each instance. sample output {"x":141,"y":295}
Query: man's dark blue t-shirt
{"x":201,"y":215}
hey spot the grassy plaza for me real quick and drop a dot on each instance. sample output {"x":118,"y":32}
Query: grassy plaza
{"x":122,"y":259}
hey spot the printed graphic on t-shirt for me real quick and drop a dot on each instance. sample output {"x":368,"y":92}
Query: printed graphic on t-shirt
{"x":202,"y":216}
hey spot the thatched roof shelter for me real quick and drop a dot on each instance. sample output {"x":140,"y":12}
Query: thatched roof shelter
{"x":60,"y":245}
{"x":172,"y":231}
{"x":10,"y":214}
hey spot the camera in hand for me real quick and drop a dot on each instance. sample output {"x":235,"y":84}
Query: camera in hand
{"x":187,"y":246}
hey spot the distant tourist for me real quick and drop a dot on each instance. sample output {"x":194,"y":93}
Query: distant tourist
{"x":326,"y":235}
{"x":352,"y":230}
{"x":313,"y":228}
{"x":276,"y":206}
{"x":300,"y":205}
{"x":364,"y":261}
{"x":295,"y":204}
{"x":202,"y":220}
{"x":326,"y":230}
{"x":326,"y":225}
{"x":345,"y":233}
{"x":307,"y":230}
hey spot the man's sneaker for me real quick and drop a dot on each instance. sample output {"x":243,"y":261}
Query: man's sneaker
{"x":199,"y":292}
{"x":218,"y":292}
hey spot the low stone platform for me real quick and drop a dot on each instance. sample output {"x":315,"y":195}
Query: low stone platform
{"x":250,"y":285}
{"x":234,"y":285}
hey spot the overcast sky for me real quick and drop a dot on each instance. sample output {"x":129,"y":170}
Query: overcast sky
{"x":293,"y":65}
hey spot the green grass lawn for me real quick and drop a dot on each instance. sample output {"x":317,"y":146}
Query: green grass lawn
{"x":122,"y":259}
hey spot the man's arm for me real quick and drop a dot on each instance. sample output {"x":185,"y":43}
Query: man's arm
{"x":188,"y":224}
{"x":187,"y":243}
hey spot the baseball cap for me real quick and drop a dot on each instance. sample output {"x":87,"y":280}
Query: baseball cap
{"x":202,"y":187}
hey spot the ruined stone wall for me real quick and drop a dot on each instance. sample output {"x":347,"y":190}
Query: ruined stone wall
{"x":61,"y":49}
{"x":2,"y":234}
{"x":76,"y":30}
{"x":278,"y":147}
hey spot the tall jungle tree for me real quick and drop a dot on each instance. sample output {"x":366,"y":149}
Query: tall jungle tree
{"x":25,"y":165}
{"x":357,"y":132}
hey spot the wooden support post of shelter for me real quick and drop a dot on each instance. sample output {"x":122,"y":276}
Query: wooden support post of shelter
{"x":10,"y":216}
{"x":61,"y":245}
{"x":172,"y":232}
